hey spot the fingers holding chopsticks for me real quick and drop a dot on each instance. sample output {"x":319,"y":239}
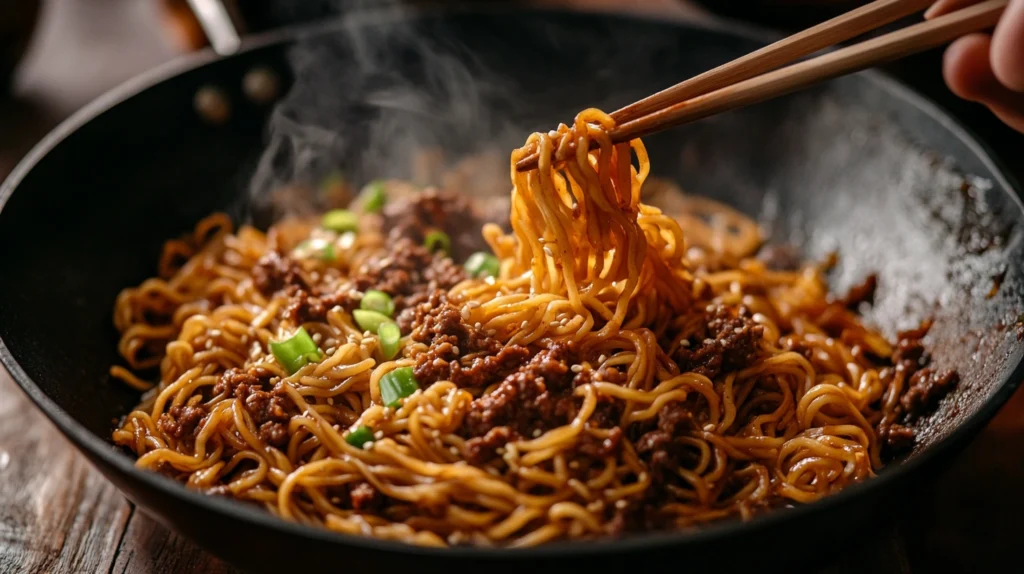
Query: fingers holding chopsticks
{"x":989,"y":69}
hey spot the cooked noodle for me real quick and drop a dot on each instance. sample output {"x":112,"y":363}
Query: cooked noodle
{"x":704,"y":385}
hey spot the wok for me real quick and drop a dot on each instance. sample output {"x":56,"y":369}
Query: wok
{"x":861,"y":166}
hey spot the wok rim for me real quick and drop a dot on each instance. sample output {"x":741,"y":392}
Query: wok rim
{"x":94,"y":445}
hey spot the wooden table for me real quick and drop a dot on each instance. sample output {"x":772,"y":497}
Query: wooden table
{"x":57,"y":514}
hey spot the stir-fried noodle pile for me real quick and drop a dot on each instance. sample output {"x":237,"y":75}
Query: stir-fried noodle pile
{"x":603,"y":368}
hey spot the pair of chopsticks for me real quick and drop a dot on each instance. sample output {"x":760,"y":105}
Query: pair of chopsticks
{"x":759,"y":76}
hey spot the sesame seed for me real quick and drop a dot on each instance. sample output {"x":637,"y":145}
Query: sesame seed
{"x":245,"y":339}
{"x":709,"y":341}
{"x":477,"y":325}
{"x":453,"y":450}
{"x":602,"y":358}
{"x":576,"y":368}
{"x":317,"y":337}
{"x":553,"y":324}
{"x":215,"y":332}
{"x":491,"y":332}
{"x":445,"y":411}
{"x":368,"y":445}
{"x":493,"y":471}
{"x":684,"y":343}
{"x":524,"y":324}
{"x":574,"y":464}
{"x":547,"y":250}
{"x":536,"y":433}
{"x":500,"y":450}
{"x":710,"y":309}
{"x":473,"y":304}
{"x":330,"y":400}
{"x":455,"y":350}
{"x":378,"y":435}
{"x":386,"y":411}
{"x":331,"y":350}
{"x":209,"y":344}
{"x":709,"y":427}
{"x":465,"y":313}
{"x":738,"y":330}
{"x":620,"y":504}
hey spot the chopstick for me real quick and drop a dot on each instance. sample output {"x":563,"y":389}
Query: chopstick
{"x":719,"y":90}
{"x":839,"y":29}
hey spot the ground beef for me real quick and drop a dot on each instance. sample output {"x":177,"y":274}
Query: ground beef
{"x":409,"y":273}
{"x":658,"y":449}
{"x":863,"y":292}
{"x":533,"y":398}
{"x":459,"y":352}
{"x":240,"y":383}
{"x":483,"y":448}
{"x":364,"y":497}
{"x":594,"y":447}
{"x":182,"y":422}
{"x":783,"y":257}
{"x":275,"y":271}
{"x":727,"y":341}
{"x":414,"y":216}
{"x":304,"y":308}
{"x":909,"y":352}
{"x":899,"y":438}
{"x":926,"y":389}
{"x":271,"y":413}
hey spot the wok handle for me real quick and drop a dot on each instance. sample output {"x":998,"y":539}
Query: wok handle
{"x":220,"y":24}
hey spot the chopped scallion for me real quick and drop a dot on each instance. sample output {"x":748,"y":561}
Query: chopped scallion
{"x":296,"y":351}
{"x":340,"y":220}
{"x":359,"y":437}
{"x":378,"y":301}
{"x":373,"y":197}
{"x":482,"y":264}
{"x":397,"y":385}
{"x":390,"y":336}
{"x":369,"y":320}
{"x":435,"y":240}
{"x":327,"y":253}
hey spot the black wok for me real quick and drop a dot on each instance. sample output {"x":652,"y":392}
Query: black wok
{"x":861,"y":166}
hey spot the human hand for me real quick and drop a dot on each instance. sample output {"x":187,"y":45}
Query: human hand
{"x":988,"y":69}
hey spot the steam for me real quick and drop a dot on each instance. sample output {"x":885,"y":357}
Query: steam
{"x":387,"y":87}
{"x":372,"y":99}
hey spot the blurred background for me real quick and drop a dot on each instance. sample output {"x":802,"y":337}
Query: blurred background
{"x":57,"y":55}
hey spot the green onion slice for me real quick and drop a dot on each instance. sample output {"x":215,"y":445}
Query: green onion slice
{"x":435,"y":240}
{"x":327,"y":253}
{"x":369,"y":320}
{"x":378,"y":301}
{"x":482,"y":264}
{"x":373,"y":197}
{"x":359,"y":437}
{"x":390,"y":336}
{"x":296,"y":351}
{"x":340,"y":220}
{"x":396,"y":385}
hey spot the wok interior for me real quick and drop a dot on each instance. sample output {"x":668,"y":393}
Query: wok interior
{"x":851,"y":167}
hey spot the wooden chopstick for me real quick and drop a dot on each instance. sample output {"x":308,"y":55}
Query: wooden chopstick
{"x":775,"y":83}
{"x":785,"y":51}
{"x":839,"y":29}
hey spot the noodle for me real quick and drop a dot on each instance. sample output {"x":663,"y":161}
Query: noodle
{"x":676,"y":379}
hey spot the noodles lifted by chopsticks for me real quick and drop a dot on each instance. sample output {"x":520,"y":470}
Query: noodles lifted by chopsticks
{"x":601,"y":369}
